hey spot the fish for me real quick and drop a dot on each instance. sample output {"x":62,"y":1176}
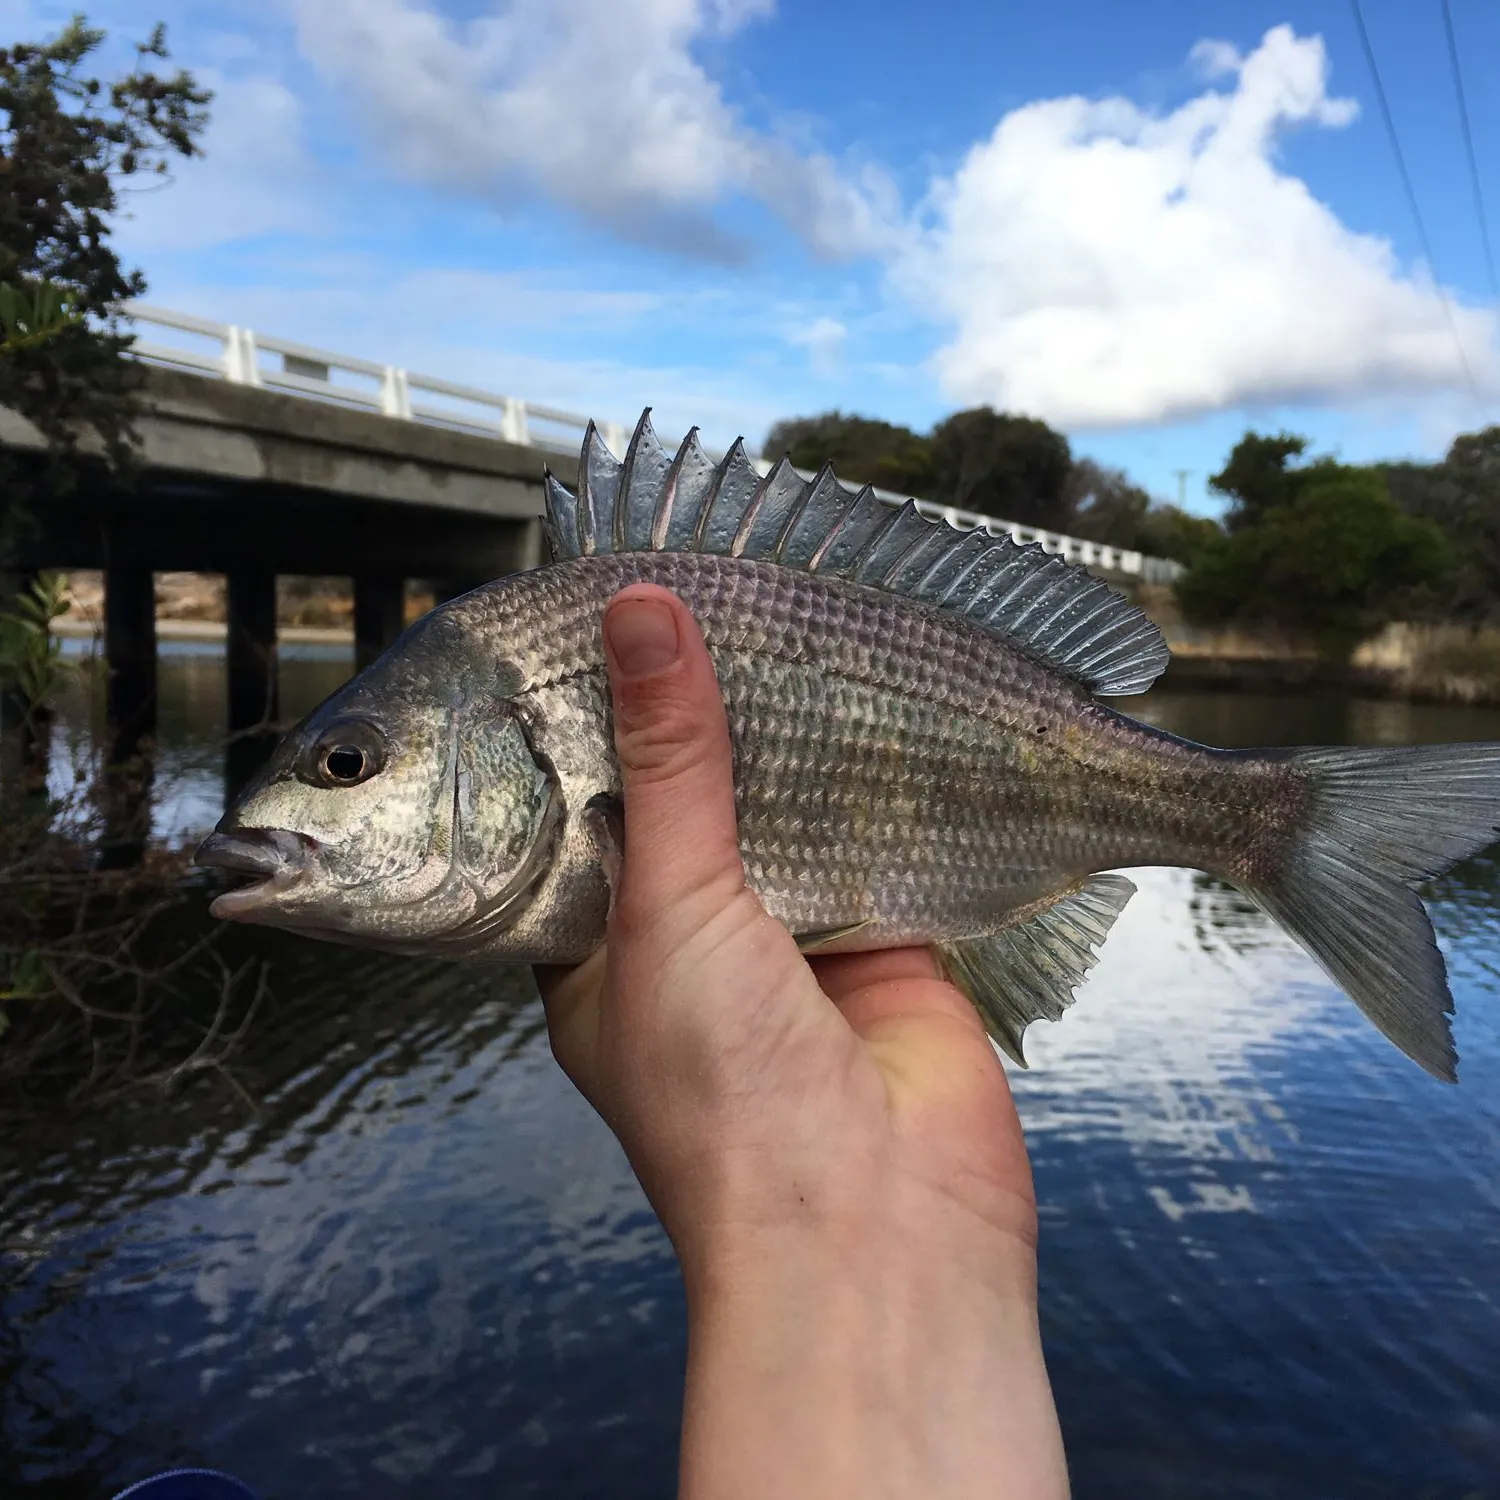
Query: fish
{"x":922,"y":752}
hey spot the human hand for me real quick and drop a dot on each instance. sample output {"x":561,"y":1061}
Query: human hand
{"x":830,"y":1144}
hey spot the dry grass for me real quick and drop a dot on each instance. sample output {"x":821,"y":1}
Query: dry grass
{"x":1223,"y":644}
{"x":1454,"y":663}
{"x":302,"y":602}
{"x":103,"y":970}
{"x":1442,"y":663}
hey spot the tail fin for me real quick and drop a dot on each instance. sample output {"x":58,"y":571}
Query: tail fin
{"x":1380,"y":821}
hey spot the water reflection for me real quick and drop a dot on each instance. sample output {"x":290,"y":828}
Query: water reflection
{"x":1240,"y":720}
{"x":1270,"y":1244}
{"x":192,"y":721}
{"x":1225,"y":919}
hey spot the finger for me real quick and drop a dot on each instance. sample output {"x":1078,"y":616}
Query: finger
{"x":869,"y":987}
{"x":570,"y":999}
{"x":842,"y":973}
{"x":672,"y":740}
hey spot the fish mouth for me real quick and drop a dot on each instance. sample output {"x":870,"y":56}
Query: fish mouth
{"x":273,"y":859}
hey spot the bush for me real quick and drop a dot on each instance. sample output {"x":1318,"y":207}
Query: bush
{"x":1328,"y":564}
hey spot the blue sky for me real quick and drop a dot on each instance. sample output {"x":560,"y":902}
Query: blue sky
{"x":1152,"y":225}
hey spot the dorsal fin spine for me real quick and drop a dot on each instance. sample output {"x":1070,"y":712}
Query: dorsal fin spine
{"x":876,"y":537}
{"x":935,"y":567}
{"x":584,"y":517}
{"x":920,"y":540}
{"x":663,"y":514}
{"x":1087,"y":620}
{"x":643,"y":434}
{"x":1056,"y":615}
{"x":961,"y":577}
{"x":914,"y":550}
{"x":1055,"y":612}
{"x":1025,"y":614}
{"x":816,"y":560}
{"x":711,"y":499}
{"x":752,"y":510}
{"x":804,"y":498}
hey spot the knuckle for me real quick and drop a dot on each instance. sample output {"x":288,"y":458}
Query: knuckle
{"x":658,"y":732}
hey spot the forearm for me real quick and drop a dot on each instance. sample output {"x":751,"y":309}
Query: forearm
{"x":876,"y":1367}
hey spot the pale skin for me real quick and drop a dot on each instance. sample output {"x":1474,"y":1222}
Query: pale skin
{"x":830,"y":1144}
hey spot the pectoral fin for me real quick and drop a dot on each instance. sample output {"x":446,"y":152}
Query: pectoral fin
{"x":604,"y":818}
{"x":1029,"y":970}
{"x":812,"y":942}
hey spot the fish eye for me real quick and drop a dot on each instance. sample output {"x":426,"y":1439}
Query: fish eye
{"x":344,"y":763}
{"x":345,"y":755}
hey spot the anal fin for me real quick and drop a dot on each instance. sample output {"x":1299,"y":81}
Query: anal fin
{"x":1029,"y":970}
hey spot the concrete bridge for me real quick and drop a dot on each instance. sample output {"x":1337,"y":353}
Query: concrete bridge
{"x":263,"y":456}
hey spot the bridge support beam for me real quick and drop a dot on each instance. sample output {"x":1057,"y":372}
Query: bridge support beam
{"x":379,"y":616}
{"x":250,"y":662}
{"x":130,"y":655}
{"x":250,"y":648}
{"x":130,"y":692}
{"x":444,"y":589}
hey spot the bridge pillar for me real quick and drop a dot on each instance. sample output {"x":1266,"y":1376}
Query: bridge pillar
{"x":130,"y":692}
{"x":444,"y":589}
{"x":250,"y":662}
{"x":379,"y":616}
{"x":130,"y":656}
{"x":250,"y":647}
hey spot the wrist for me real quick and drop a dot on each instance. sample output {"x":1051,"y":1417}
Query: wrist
{"x":886,"y":1357}
{"x":739,"y":1226}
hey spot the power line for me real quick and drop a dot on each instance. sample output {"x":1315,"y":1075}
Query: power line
{"x":1411,"y":194}
{"x":1463,"y":115}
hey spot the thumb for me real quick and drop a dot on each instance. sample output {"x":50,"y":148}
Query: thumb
{"x":672,"y":741}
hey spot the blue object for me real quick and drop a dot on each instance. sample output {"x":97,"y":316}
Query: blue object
{"x":188,"y":1484}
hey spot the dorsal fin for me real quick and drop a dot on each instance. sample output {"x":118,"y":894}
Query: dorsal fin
{"x":1055,"y":611}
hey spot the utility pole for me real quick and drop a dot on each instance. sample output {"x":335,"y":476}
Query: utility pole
{"x":1182,"y":479}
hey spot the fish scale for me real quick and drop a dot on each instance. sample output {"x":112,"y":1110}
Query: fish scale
{"x":921,"y":755}
{"x":841,"y":700}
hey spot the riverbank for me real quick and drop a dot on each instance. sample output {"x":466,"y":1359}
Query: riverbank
{"x":1310,"y":674}
{"x":1417,"y":663}
{"x":71,"y":627}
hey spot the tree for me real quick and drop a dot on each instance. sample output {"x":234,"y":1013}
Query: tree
{"x":1330,"y":563}
{"x":1170,"y":531}
{"x":1461,"y":496}
{"x":862,"y":450}
{"x":68,"y":142}
{"x":1476,"y":457}
{"x":1256,"y":477}
{"x":1014,"y":468}
{"x":1102,"y":505}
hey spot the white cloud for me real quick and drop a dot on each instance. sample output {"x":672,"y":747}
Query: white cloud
{"x":255,"y":176}
{"x":1099,"y":265}
{"x":599,"y":105}
{"x":823,"y":339}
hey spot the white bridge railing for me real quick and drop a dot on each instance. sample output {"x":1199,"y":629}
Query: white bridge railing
{"x":246,"y":357}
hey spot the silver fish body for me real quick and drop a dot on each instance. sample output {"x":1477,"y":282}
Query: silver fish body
{"x":922,"y":758}
{"x":896,"y":768}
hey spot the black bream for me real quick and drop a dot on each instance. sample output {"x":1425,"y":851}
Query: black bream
{"x":921,"y":756}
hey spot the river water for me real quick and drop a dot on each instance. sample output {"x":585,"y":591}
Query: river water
{"x":418,"y":1265}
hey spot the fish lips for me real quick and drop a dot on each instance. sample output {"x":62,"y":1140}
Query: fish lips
{"x":274,"y":859}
